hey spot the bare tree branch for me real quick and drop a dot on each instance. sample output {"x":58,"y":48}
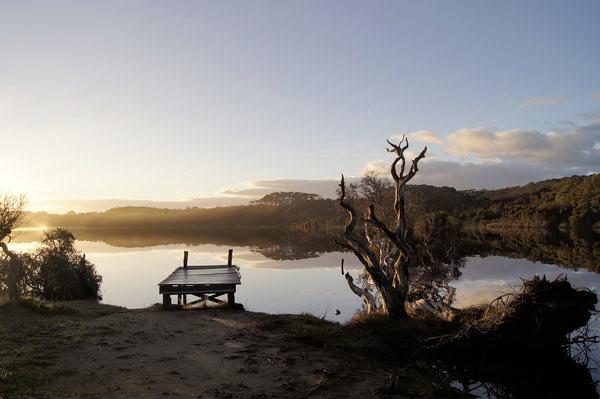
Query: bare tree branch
{"x":363,"y":293}
{"x":367,"y":257}
{"x":388,"y":267}
{"x":414,"y":168}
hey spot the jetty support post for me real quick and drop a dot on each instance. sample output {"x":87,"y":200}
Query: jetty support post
{"x":230,"y":295}
{"x":185,"y":265}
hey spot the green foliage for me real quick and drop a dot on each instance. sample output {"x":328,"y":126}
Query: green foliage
{"x":286,"y":199}
{"x":569,"y":203}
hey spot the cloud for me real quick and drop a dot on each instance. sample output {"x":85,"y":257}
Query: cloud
{"x":476,"y":175}
{"x":490,"y":175}
{"x":596,"y":95}
{"x":486,"y":159}
{"x":103,"y":204}
{"x":228,"y":197}
{"x":574,"y":147}
{"x":379,"y":167}
{"x":498,"y":158}
{"x":425,"y":136}
{"x":543,"y":101}
{"x":259,"y":188}
{"x":592,"y":116}
{"x":487,"y":144}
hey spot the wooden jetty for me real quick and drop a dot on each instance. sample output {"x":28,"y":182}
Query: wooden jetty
{"x":205,"y":282}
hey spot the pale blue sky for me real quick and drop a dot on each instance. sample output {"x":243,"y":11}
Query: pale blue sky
{"x":181,"y":100}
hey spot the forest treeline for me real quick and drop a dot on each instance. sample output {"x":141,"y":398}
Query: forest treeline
{"x":568,"y":204}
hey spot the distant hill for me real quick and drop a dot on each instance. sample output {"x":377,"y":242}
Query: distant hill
{"x":570,"y":203}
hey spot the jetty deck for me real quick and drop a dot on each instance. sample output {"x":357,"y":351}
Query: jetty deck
{"x":206,"y":282}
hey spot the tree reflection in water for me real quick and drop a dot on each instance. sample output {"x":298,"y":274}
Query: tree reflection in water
{"x":536,"y":375}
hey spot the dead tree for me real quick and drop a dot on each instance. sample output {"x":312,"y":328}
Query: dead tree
{"x":11,"y":216}
{"x":384,"y":251}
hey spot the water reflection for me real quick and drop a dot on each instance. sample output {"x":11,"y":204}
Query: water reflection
{"x":285,"y":271}
{"x":536,"y":245}
{"x":280,"y":244}
{"x":291,"y":271}
{"x":533,"y":375}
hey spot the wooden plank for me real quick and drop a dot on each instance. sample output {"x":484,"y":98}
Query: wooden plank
{"x":212,"y":267}
{"x":201,"y":276}
{"x":198,"y":272}
{"x":205,"y":273}
{"x":201,"y":279}
{"x":222,"y":272}
{"x":196,"y":289}
{"x":204,"y":282}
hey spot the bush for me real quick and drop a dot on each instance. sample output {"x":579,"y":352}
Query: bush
{"x":58,"y":272}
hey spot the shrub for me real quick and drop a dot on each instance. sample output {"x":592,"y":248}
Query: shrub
{"x":58,"y":272}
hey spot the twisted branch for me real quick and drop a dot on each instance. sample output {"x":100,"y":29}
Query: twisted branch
{"x":366,"y":256}
{"x":390,"y":270}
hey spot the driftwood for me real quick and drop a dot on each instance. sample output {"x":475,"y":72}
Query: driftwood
{"x":516,"y":348}
{"x":423,"y":308}
{"x":541,"y":313}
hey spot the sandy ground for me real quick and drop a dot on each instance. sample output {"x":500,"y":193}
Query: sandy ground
{"x":191,"y":354}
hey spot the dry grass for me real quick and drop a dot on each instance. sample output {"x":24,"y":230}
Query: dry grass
{"x":32,"y":337}
{"x":369,"y":335}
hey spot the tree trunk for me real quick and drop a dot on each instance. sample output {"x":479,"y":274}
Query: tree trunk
{"x":14,"y":267}
{"x":392,"y":301}
{"x":13,"y":288}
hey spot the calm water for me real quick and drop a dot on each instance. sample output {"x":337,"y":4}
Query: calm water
{"x":291,"y":272}
{"x":281,"y":271}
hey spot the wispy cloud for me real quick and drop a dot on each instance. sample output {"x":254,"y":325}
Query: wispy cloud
{"x":543,"y":101}
{"x":424,"y":136}
{"x":259,"y":188}
{"x":379,"y":167}
{"x":240,"y":195}
{"x":592,"y":116}
{"x":102,"y":204}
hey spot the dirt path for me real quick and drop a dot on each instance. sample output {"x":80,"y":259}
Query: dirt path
{"x":197,"y":354}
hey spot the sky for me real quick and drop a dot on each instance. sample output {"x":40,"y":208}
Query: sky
{"x":204,"y":103}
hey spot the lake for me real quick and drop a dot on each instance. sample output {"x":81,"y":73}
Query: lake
{"x":285,"y":271}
